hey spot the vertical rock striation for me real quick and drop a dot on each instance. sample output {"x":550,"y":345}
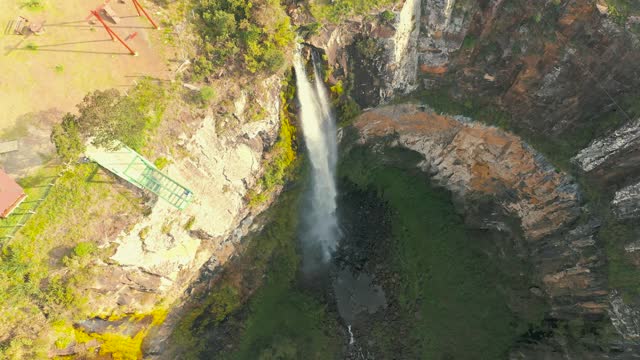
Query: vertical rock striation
{"x":442,"y":32}
{"x":403,"y":57}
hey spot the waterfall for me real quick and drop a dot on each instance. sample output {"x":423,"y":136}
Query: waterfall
{"x":319,"y":133}
{"x":404,"y":57}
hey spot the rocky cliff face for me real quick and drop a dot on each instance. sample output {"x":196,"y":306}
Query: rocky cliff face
{"x":563,"y":69}
{"x":159,"y":258}
{"x":402,"y":47}
{"x":614,"y":156}
{"x":474,"y":160}
{"x":566,"y":73}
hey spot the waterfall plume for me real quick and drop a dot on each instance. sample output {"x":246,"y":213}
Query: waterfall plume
{"x":319,"y":131}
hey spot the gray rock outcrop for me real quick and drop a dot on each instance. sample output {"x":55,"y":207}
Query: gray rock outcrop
{"x":620,"y":142}
{"x":626,"y":203}
{"x":624,"y":318}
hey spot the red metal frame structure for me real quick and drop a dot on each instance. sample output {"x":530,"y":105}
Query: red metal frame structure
{"x":112,"y":33}
{"x":139,"y":8}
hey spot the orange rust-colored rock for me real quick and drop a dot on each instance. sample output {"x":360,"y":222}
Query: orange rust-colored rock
{"x":433,"y":69}
{"x":470,"y":157}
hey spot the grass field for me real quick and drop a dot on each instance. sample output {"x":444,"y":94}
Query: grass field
{"x":54,"y":71}
{"x":45,"y":265}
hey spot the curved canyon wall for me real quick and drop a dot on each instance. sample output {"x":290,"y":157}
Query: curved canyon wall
{"x":566,"y":73}
{"x":472,"y":159}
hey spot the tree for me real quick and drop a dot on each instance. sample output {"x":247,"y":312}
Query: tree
{"x":67,"y":139}
{"x":224,"y":24}
{"x":106,"y":116}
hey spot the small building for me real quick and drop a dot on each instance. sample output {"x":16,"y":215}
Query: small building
{"x":11,"y":195}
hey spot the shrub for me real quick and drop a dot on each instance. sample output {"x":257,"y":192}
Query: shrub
{"x":337,"y":10}
{"x":368,"y":48}
{"x":207,"y":93}
{"x":67,"y":139}
{"x":84,"y":249}
{"x":258,"y":31}
{"x":33,"y":4}
{"x":224,"y":301}
{"x":273,"y":59}
{"x":387,"y":16}
{"x":189,"y":224}
{"x":144,"y":233}
{"x":337,"y":89}
{"x":348,"y":110}
{"x":225,"y":23}
{"x":309,"y":30}
{"x":161,"y":162}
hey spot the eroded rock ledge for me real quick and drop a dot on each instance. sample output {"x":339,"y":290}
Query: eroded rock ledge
{"x":469,"y":159}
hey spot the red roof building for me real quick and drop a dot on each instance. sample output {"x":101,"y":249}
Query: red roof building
{"x":11,"y":195}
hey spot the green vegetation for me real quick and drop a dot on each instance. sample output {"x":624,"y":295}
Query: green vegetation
{"x":31,"y":47}
{"x":469,"y":42}
{"x":33,"y":4}
{"x":258,"y":33}
{"x":161,"y":162}
{"x":37,"y":187}
{"x":279,"y":320}
{"x":367,"y":47}
{"x":144,"y":232}
{"x":121,"y":347}
{"x":59,"y":69}
{"x":339,"y":10}
{"x":455,"y":279}
{"x":347,"y":109}
{"x":620,"y":10}
{"x":207,"y":93}
{"x":283,"y":153}
{"x":112,"y":344}
{"x":84,"y":249}
{"x":623,"y":273}
{"x":287,"y":324}
{"x":189,"y":224}
{"x":387,"y":16}
{"x":309,"y":30}
{"x":44,"y":267}
{"x":107,"y":115}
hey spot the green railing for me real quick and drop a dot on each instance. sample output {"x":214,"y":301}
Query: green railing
{"x":131,"y":166}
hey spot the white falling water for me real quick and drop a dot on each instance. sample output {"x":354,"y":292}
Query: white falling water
{"x":320,"y":138}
